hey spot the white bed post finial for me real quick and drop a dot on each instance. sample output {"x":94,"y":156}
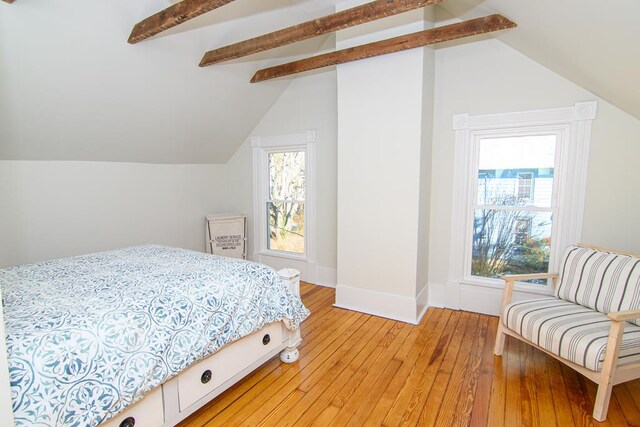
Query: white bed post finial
{"x":291,"y":278}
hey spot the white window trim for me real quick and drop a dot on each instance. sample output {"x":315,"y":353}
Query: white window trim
{"x":561,"y":131}
{"x":574,"y":123}
{"x":262,"y":146}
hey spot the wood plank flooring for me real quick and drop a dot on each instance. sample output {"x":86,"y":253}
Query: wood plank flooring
{"x":360,"y":370}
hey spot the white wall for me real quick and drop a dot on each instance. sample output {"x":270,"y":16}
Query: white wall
{"x":308,"y":103}
{"x":611,"y":213}
{"x":428,"y":92}
{"x":490,"y":77}
{"x":58,"y":209}
{"x":380,"y":148}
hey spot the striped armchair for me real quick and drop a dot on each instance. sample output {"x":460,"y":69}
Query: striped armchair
{"x":592,"y":323}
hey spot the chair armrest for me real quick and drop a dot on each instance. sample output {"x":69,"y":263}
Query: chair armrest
{"x":520,"y":277}
{"x":510,"y":280}
{"x":619,"y":316}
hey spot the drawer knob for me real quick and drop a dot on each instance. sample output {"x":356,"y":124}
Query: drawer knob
{"x":266,"y":339}
{"x":206,"y":376}
{"x":128,"y":422}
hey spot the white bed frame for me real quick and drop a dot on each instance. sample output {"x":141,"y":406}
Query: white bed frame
{"x":184,"y":394}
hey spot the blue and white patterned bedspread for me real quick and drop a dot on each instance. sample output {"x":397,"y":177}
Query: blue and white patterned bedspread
{"x":88,"y":336}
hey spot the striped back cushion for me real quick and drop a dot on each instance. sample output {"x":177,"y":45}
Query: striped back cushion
{"x":600,"y":280}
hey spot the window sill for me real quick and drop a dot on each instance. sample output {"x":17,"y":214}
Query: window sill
{"x":284,"y":255}
{"x":499,"y":284}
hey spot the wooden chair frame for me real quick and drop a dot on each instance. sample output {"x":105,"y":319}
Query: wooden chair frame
{"x":610,"y":374}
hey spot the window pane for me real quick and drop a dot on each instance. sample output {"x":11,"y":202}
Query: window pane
{"x":286,"y":176}
{"x":510,"y":242}
{"x":516,"y":171}
{"x":286,"y":227}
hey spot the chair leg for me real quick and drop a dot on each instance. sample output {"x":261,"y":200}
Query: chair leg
{"x":500,"y":335}
{"x":601,"y":406}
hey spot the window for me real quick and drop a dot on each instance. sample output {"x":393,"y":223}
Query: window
{"x":512,"y":225}
{"x":284,"y":189}
{"x":520,"y":181}
{"x":285,"y":206}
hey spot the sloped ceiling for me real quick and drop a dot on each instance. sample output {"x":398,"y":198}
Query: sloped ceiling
{"x":72,"y":88}
{"x":595,"y":44}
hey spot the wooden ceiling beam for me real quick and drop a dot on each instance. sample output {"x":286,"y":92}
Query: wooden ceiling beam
{"x":422,"y":38}
{"x":328,"y":24}
{"x":172,"y":16}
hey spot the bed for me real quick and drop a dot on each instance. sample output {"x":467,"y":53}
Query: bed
{"x":140,"y":336}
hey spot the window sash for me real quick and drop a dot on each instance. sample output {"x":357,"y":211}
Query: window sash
{"x":515,"y":208}
{"x":300,"y":201}
{"x":284,"y":151}
{"x":262,"y":146}
{"x":560,"y":134}
{"x":270,"y":228}
{"x":266,"y":199}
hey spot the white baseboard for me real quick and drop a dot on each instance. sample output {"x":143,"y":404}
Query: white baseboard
{"x":452,"y":294}
{"x":380,"y":304}
{"x":474,"y":298}
{"x":437,"y":295}
{"x":487,"y":300}
{"x":326,"y":276}
{"x":422,"y":303}
{"x":480,"y":299}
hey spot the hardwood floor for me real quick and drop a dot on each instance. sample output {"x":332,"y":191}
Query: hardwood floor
{"x":356,"y":369}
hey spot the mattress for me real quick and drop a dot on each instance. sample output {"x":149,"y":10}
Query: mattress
{"x":88,"y":336}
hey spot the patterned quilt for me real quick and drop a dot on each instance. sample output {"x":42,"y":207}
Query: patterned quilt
{"x":88,"y":336}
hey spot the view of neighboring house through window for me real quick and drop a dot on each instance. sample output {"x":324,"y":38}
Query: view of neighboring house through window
{"x":518,"y":197}
{"x":285,"y":204}
{"x":514,"y":207}
{"x":525,"y":185}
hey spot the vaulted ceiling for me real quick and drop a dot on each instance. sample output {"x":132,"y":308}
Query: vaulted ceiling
{"x":72,"y":88}
{"x":592,"y":43}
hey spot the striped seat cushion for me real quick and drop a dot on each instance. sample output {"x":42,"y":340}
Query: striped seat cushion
{"x":570,"y":331}
{"x":600,"y":280}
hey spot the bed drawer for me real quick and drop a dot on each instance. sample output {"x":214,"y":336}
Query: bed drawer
{"x":203,"y":377}
{"x":148,"y":412}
